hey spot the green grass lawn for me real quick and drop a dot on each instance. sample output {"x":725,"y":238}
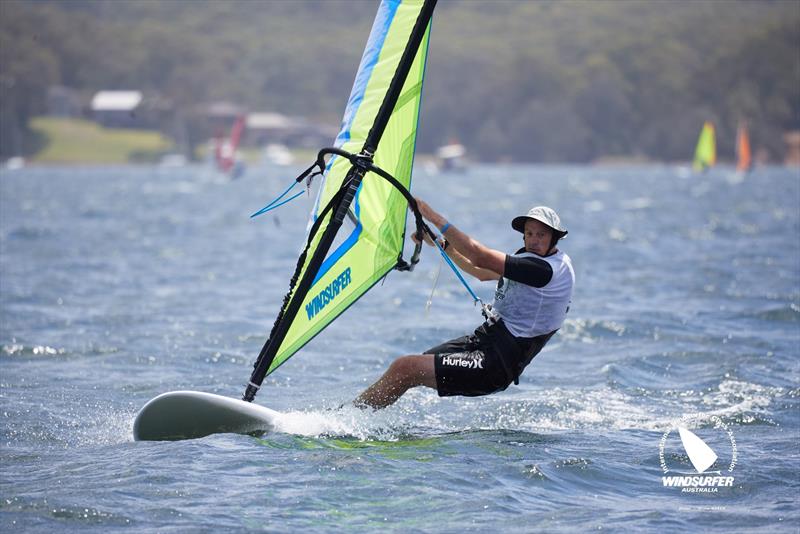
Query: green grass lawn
{"x":82,"y":141}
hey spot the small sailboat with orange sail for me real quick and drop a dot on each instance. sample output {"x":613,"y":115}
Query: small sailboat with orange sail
{"x":744,"y":159}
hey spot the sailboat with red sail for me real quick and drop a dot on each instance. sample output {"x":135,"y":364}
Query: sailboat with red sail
{"x":226,"y":153}
{"x":744,"y":160}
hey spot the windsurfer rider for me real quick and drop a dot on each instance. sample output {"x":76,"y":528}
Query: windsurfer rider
{"x":533,"y":294}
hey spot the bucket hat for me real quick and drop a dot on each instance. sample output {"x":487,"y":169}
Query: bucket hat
{"x":544,"y":215}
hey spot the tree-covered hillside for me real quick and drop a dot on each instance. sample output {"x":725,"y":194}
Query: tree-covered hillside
{"x":520,"y":80}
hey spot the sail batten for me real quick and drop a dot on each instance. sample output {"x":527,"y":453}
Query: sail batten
{"x":379,"y":124}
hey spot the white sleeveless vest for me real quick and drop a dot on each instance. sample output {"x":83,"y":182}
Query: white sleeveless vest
{"x":529,"y":311}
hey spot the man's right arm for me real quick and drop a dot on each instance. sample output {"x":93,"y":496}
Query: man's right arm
{"x":468,"y":267}
{"x":477,"y":254}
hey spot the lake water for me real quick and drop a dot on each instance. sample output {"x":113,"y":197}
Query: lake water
{"x":121,"y":283}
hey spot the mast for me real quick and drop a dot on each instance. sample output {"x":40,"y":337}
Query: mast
{"x":353,"y":180}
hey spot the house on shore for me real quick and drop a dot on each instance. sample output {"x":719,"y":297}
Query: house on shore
{"x":118,"y":109}
{"x":266,"y":128}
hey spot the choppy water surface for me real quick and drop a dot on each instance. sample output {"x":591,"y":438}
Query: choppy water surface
{"x":118,"y":284}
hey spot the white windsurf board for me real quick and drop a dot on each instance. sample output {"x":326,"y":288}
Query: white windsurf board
{"x":180,"y":415}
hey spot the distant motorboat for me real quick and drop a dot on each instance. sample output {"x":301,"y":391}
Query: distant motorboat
{"x":452,"y":157}
{"x":278,"y":154}
{"x":173,"y":161}
{"x":14,"y":164}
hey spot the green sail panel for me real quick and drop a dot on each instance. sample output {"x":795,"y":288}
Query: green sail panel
{"x":705,"y":155}
{"x":370,"y":247}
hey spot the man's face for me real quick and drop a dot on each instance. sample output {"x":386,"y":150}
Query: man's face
{"x":537,"y":237}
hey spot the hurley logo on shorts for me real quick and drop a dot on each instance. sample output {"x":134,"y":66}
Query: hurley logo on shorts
{"x":471,"y":360}
{"x":327,"y":295}
{"x":701,"y":456}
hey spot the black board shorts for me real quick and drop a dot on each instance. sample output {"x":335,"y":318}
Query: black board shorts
{"x":483,"y":362}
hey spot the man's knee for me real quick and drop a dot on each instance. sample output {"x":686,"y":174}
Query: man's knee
{"x":409,"y":370}
{"x":402,"y":368}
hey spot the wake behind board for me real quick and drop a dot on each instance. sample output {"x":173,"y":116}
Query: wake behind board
{"x":193,"y":414}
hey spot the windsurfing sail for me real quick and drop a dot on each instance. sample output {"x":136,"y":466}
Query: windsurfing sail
{"x":227,"y":149}
{"x":744,"y":160}
{"x":705,"y":155}
{"x":364,"y":195}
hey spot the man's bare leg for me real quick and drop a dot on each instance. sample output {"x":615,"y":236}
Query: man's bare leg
{"x":404,"y":373}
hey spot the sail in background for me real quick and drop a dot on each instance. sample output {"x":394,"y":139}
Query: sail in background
{"x":705,"y":155}
{"x":226,"y":151}
{"x":372,"y":238}
{"x":744,"y":161}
